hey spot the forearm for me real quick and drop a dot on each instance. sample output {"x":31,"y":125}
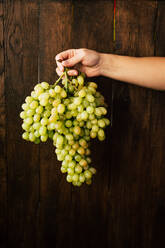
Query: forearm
{"x":147,"y":72}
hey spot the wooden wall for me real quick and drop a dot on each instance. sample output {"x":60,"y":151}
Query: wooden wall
{"x":125,"y":205}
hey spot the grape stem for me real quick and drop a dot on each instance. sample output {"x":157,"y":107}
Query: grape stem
{"x":58,"y":80}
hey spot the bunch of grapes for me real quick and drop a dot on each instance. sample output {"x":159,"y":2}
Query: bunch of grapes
{"x":70,"y":113}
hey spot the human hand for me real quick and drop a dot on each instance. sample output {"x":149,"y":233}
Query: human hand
{"x":87,"y":61}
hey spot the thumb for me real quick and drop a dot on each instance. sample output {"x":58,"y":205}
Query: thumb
{"x":72,"y":61}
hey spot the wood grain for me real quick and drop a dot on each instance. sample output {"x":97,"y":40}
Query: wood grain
{"x":54,"y":216}
{"x":21,"y":64}
{"x":125,"y":205}
{"x":94,"y":21}
{"x":158,"y":142}
{"x":131,"y":196}
{"x":3,"y":166}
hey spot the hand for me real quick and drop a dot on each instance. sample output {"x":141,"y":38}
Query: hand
{"x":88,"y":61}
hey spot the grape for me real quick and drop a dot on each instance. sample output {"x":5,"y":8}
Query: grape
{"x":70,"y":115}
{"x":69,"y":178}
{"x":23,"y":115}
{"x":80,"y":80}
{"x":25,"y":135}
{"x":78,"y":169}
{"x":57,"y":89}
{"x":75,"y":178}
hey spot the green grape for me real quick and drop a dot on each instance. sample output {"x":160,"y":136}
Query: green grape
{"x":30,"y":112}
{"x":82,"y":93}
{"x":78,"y":158}
{"x":47,"y":113}
{"x":37,"y":141}
{"x":70,"y":171}
{"x":33,"y":104}
{"x":60,"y":139}
{"x":81,"y":151}
{"x":32,"y":137}
{"x":69,"y":178}
{"x":72,"y":152}
{"x":65,"y":164}
{"x":89,"y":181}
{"x":70,"y":117}
{"x":61,"y":108}
{"x":101,"y":123}
{"x":78,"y":169}
{"x":77,"y":130}
{"x":88,"y":160}
{"x":63,"y":169}
{"x":90,"y":110}
{"x":72,"y":164}
{"x":25,"y":135}
{"x":84,"y":115}
{"x":57,"y":89}
{"x":83,"y":162}
{"x":80,"y":108}
{"x":44,"y":138}
{"x":25,"y":106}
{"x":95,"y":128}
{"x":44,"y":121}
{"x":23,"y":115}
{"x":37,"y":134}
{"x":68,"y":123}
{"x":56,"y":102}
{"x":69,"y":136}
{"x":82,"y":178}
{"x":75,"y":177}
{"x":42,"y":130}
{"x":80,"y":80}
{"x":45,"y":85}
{"x":29,"y":120}
{"x":25,"y":126}
{"x":93,"y":170}
{"x":77,"y":100}
{"x":93,"y":134}
{"x":98,"y":112}
{"x":44,"y":102}
{"x":63,"y":94}
{"x":52,"y":93}
{"x":88,"y":174}
{"x":39,"y":109}
{"x":92,"y":84}
{"x":28,"y":99}
{"x":101,"y":133}
{"x":83,"y":143}
{"x":68,"y":157}
{"x":90,"y":98}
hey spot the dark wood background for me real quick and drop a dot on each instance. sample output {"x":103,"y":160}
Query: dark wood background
{"x":125,"y":205}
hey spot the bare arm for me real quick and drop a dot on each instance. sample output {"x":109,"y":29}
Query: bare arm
{"x":147,"y":72}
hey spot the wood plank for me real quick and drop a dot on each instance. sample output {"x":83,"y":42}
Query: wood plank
{"x":21,"y":74}
{"x":93,"y":29}
{"x":54,"y":217}
{"x":158,"y":141}
{"x":3,"y":168}
{"x":131,"y":196}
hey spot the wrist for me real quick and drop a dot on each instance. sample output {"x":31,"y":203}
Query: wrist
{"x":107,"y":67}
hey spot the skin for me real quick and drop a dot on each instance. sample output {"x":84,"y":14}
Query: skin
{"x":143,"y":71}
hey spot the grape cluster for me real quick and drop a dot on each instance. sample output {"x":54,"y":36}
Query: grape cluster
{"x":70,"y":113}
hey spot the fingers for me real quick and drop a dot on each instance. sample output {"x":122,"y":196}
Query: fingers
{"x":65,"y":55}
{"x":59,"y":73}
{"x":60,"y":66}
{"x":72,"y":61}
{"x":72,"y":72}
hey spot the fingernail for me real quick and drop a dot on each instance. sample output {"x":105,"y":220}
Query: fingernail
{"x":59,"y":60}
